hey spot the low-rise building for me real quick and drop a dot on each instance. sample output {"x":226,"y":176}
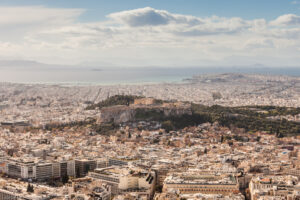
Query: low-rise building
{"x":191,"y":182}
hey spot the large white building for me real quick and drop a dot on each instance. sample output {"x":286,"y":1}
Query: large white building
{"x":192,"y":182}
{"x":127,"y":180}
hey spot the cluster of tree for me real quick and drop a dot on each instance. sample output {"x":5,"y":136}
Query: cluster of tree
{"x":113,"y":101}
{"x":251,"y":120}
{"x":104,"y":129}
{"x":52,"y":126}
{"x":170,"y":123}
{"x":252,"y":124}
{"x":276,"y":110}
{"x":255,"y":169}
{"x":247,"y":118}
{"x":10,"y":152}
{"x":252,"y":111}
{"x":30,"y":188}
{"x":180,"y":122}
{"x":216,"y":95}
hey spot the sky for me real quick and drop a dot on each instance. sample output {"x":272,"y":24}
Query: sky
{"x":151,"y":32}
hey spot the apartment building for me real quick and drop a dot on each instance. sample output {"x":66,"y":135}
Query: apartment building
{"x":43,"y":171}
{"x":190,"y":183}
{"x":83,"y":166}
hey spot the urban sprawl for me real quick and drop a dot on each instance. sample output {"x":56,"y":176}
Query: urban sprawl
{"x":123,"y":142}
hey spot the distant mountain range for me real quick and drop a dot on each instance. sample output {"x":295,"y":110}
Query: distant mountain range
{"x":25,"y":63}
{"x":255,"y":68}
{"x":34,"y":65}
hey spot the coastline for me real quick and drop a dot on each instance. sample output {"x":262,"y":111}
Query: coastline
{"x":128,"y":76}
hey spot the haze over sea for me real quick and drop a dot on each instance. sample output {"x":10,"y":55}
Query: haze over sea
{"x":105,"y":76}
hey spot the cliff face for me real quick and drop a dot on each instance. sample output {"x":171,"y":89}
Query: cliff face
{"x":117,"y":114}
{"x":121,"y":114}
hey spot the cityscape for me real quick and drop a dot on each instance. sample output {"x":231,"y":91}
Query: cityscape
{"x":155,"y":131}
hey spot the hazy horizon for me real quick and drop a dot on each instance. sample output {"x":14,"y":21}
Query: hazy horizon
{"x":126,"y":75}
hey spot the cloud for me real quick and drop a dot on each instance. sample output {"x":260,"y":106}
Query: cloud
{"x":259,"y":43}
{"x":180,"y":25}
{"x":152,"y":17}
{"x":17,"y":21}
{"x":153,"y":36}
{"x":295,"y":2}
{"x":286,"y":20}
{"x":29,"y":15}
{"x":215,"y":26}
{"x":289,"y":34}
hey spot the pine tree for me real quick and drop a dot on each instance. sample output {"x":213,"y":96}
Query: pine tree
{"x":30,"y":188}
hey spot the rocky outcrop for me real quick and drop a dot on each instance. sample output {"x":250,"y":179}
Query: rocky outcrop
{"x":121,"y":114}
{"x":117,"y":114}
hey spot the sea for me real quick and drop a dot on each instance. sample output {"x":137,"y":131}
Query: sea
{"x":115,"y":76}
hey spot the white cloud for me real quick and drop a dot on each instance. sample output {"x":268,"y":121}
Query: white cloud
{"x":144,"y":36}
{"x":17,"y":21}
{"x":152,"y":17}
{"x":30,"y":15}
{"x":183,"y":25}
{"x":286,"y":20}
{"x":259,"y":43}
{"x":215,"y":26}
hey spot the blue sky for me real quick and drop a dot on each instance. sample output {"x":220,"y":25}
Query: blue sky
{"x":151,"y":32}
{"x":247,"y":9}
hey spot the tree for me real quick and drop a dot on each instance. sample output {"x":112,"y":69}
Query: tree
{"x":167,"y":125}
{"x":216,"y":95}
{"x":222,"y":139}
{"x":30,"y":188}
{"x":65,"y":179}
{"x":10,"y":152}
{"x":169,"y":142}
{"x":258,"y":138}
{"x":156,"y":141}
{"x":158,"y":188}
